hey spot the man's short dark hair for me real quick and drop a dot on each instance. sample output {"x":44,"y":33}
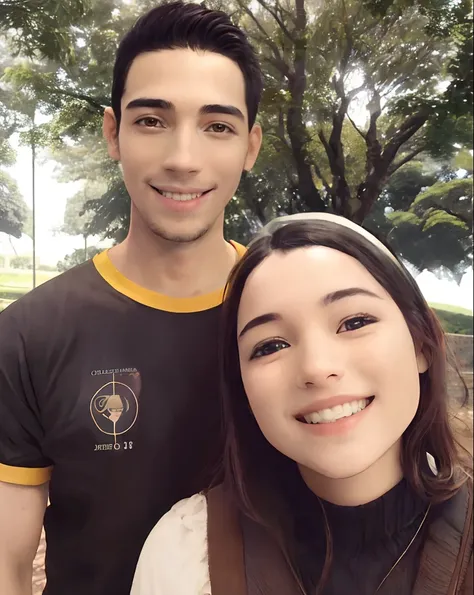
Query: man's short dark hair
{"x":177,"y":25}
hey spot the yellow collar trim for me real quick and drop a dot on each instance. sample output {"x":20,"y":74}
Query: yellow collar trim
{"x":144,"y":296}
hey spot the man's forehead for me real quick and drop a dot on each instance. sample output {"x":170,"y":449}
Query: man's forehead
{"x":172,"y":74}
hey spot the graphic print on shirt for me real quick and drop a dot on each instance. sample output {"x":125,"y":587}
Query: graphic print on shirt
{"x":114,"y":406}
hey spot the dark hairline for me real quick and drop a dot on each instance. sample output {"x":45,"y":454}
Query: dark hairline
{"x":202,"y":29}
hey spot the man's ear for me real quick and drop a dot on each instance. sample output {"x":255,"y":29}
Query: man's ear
{"x":110,"y":131}
{"x":255,"y":142}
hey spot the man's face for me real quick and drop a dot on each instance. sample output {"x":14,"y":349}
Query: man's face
{"x":183,"y":141}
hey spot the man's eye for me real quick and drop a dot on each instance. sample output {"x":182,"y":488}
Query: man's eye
{"x":220,"y":128}
{"x":269,"y":348}
{"x":356,"y":322}
{"x":149,"y":122}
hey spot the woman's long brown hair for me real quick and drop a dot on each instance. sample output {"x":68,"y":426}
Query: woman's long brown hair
{"x":254,"y":471}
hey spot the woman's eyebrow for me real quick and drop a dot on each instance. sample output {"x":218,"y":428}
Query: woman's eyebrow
{"x":341,"y":294}
{"x":258,"y":320}
{"x":328,"y":299}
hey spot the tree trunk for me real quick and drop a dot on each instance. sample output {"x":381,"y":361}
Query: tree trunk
{"x":295,"y":125}
{"x":85,"y":247}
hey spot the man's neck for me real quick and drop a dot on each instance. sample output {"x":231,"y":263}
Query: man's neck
{"x":175,"y":269}
{"x":359,"y":489}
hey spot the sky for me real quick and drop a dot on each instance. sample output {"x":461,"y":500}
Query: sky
{"x":51,"y":198}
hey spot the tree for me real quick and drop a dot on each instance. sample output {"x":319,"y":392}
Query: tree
{"x":13,"y":210}
{"x":77,"y":217}
{"x":322,"y":62}
{"x":76,"y":258}
{"x":42,"y":26}
{"x":435,"y":232}
{"x":326,"y":66}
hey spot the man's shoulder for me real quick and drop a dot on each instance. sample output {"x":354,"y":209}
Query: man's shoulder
{"x":71,"y":286}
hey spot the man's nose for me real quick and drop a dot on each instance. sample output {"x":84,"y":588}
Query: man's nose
{"x":183,"y":152}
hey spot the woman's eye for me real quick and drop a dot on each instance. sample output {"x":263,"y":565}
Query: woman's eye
{"x":149,"y":122}
{"x":269,"y":348}
{"x":220,"y":128}
{"x":356,"y":322}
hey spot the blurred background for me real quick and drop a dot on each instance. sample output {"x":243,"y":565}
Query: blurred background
{"x":367,"y":112}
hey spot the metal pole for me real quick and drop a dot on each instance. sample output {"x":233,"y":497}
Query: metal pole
{"x":33,"y":190}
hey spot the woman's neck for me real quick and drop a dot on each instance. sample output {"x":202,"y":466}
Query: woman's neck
{"x":367,"y":486}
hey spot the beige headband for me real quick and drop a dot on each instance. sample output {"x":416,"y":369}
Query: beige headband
{"x":274,"y":224}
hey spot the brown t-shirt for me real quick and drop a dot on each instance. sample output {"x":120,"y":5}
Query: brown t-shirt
{"x":110,"y":391}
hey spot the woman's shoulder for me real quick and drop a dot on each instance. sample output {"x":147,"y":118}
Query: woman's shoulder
{"x":174,"y":557}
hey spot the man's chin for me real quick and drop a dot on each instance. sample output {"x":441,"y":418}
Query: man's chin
{"x":179,"y":236}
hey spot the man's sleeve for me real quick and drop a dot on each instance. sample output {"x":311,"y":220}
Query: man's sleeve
{"x":21,"y":434}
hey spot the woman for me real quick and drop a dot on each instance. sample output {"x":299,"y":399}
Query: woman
{"x":341,"y":473}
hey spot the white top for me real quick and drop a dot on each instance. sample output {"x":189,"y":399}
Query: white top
{"x":174,"y":558}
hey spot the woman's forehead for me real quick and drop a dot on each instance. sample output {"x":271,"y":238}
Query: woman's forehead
{"x":314,"y":269}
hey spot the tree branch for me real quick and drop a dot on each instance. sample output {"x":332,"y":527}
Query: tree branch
{"x":395,"y":166}
{"x":321,"y":177}
{"x":278,"y":61}
{"x":355,"y":126}
{"x":274,"y":14}
{"x":94,"y":102}
{"x":405,"y":132}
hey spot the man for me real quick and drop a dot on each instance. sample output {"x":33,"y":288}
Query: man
{"x":108,"y":374}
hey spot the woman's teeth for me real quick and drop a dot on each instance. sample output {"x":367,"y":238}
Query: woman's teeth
{"x":180,"y":197}
{"x":327,"y":416}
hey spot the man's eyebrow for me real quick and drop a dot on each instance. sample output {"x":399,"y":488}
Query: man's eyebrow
{"x":150,"y":102}
{"x":263,"y":319}
{"x":216,"y":108}
{"x":340,"y":294}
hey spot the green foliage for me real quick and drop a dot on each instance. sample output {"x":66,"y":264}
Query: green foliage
{"x":47,"y":268}
{"x":77,"y":217}
{"x":451,"y":308}
{"x":445,"y":202}
{"x":76,"y":258}
{"x":13,"y":210}
{"x":42,"y":26}
{"x":455,"y":322}
{"x":404,"y":64}
{"x":22,"y":262}
{"x":433,"y":230}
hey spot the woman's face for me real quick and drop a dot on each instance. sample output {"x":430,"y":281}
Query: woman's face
{"x":327,"y":360}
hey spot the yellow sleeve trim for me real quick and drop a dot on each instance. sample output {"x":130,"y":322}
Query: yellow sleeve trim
{"x":139,"y":294}
{"x":24,"y":475}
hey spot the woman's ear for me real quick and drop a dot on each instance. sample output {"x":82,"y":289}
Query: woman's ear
{"x":421,"y":362}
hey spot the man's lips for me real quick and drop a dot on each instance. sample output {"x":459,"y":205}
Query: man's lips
{"x":171,"y":190}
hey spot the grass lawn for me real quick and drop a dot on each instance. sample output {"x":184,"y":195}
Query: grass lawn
{"x":23,"y":278}
{"x":449,"y":308}
{"x":15,"y":283}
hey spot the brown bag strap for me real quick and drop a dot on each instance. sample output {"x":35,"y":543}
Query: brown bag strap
{"x":447,"y":548}
{"x":225,"y":545}
{"x":465,"y":550}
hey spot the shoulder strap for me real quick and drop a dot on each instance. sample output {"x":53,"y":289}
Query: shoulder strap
{"x":243,"y":559}
{"x":448,"y":547}
{"x":225,"y":545}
